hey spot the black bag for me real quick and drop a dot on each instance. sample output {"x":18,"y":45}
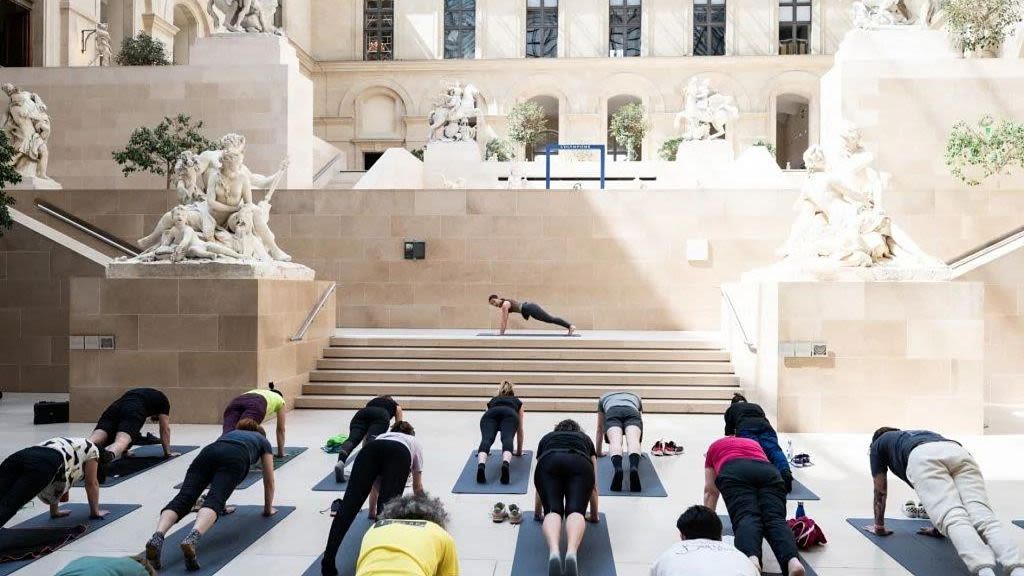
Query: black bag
{"x":51,"y":412}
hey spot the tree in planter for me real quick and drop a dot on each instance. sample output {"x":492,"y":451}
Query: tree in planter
{"x":156,"y":150}
{"x":981,"y":26}
{"x":526,"y":123}
{"x":8,"y":175}
{"x":976,"y":153}
{"x":142,"y":50}
{"x":499,"y":150}
{"x":418,"y":153}
{"x":669,"y":149}
{"x":629,"y":126}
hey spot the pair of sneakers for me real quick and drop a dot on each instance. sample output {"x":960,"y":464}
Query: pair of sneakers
{"x":512,"y":513}
{"x":662,"y":448}
{"x":915,"y":510}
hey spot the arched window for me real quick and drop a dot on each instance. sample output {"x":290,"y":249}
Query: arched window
{"x":550,"y":106}
{"x":794,"y":26}
{"x":619,"y":150}
{"x":624,"y":17}
{"x":708,"y":27}
{"x":379,"y":30}
{"x":792,"y":130}
{"x":459,"y":28}
{"x":541,"y":28}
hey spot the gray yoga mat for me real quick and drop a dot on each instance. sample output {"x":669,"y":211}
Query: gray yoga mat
{"x":228,"y":538}
{"x":649,"y":480}
{"x":727,"y":531}
{"x":142,"y":459}
{"x":531,"y":334}
{"x":79,"y":515}
{"x":255,"y":474}
{"x":919,"y":555}
{"x":801,"y":492}
{"x":595,"y":555}
{"x":519,"y":475}
{"x":348,"y":554}
{"x":1018,"y":523}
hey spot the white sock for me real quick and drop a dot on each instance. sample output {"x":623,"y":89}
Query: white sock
{"x":986,"y":572}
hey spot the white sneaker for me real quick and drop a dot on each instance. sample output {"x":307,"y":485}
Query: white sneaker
{"x":910,"y":509}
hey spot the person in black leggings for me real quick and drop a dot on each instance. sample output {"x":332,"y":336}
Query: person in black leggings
{"x":747,"y":420}
{"x":505,"y":414}
{"x":379,"y":474}
{"x":368,"y":423}
{"x":221,"y":466}
{"x":527,"y":310}
{"x":565,"y":482}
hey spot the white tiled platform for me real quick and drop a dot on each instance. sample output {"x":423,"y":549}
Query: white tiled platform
{"x":640,"y":528}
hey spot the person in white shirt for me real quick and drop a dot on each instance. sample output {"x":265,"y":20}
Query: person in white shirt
{"x":700,"y":550}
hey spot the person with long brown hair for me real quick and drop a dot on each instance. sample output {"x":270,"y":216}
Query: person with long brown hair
{"x":504,"y":413}
{"x":527,"y":310}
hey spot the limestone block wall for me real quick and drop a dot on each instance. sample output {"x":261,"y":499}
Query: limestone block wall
{"x":200,"y":341}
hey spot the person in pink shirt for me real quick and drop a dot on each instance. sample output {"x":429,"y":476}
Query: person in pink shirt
{"x":755,"y":496}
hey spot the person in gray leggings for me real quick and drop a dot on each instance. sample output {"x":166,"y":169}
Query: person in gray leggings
{"x":528,"y":310}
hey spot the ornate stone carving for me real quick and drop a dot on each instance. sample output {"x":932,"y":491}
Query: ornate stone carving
{"x":27,"y":126}
{"x":101,"y":42}
{"x":870,"y":14}
{"x":253,"y":16}
{"x":705,"y":112}
{"x":453,"y":111}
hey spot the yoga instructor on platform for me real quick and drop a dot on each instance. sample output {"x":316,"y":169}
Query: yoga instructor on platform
{"x":528,"y":310}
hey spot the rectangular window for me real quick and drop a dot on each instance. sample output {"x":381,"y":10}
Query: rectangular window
{"x":541,"y":28}
{"x":459,"y":28}
{"x":708,"y":27}
{"x":794,"y":26}
{"x":379,"y":30}
{"x":624,"y":19}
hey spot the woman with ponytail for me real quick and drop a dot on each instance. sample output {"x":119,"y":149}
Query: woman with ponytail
{"x":504,"y":414}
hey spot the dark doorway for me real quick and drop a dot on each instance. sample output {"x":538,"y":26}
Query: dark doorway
{"x":370,"y":158}
{"x":15,"y":41}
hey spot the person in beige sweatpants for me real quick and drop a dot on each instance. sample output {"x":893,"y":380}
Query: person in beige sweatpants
{"x":950,"y":486}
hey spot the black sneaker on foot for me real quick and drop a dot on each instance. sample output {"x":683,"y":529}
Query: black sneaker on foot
{"x":481,"y":478}
{"x":339,"y":472}
{"x":571,"y":568}
{"x":554,"y":566}
{"x":154,"y":548}
{"x":617,"y":481}
{"x":505,"y":470}
{"x":634,"y":480}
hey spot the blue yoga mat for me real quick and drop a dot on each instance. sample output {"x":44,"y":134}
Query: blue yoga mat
{"x":519,"y":475}
{"x":79,"y":515}
{"x":1018,"y":523}
{"x":919,"y":555}
{"x":801,"y":492}
{"x":649,"y":480}
{"x":727,"y":531}
{"x":329,"y":485}
{"x":125,"y":468}
{"x":228,"y":538}
{"x":595,"y":554}
{"x":255,"y":474}
{"x":348,"y":554}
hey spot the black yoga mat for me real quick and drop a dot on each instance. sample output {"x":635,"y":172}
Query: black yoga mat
{"x":256,"y":475}
{"x":1018,"y":523}
{"x":919,"y":555}
{"x":649,"y":480}
{"x":143,"y":458}
{"x":801,"y":492}
{"x":228,"y":538}
{"x":519,"y":475}
{"x":727,"y":531}
{"x":79,"y":517}
{"x":531,"y":335}
{"x":348,"y":554}
{"x":595,"y":554}
{"x":329,"y":485}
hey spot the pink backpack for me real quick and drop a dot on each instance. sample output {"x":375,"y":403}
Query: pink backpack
{"x":807,"y":532}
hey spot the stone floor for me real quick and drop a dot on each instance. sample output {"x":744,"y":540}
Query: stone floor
{"x":640,"y":528}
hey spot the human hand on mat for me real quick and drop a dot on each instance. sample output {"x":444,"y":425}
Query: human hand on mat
{"x":60,"y":513}
{"x":172,"y":455}
{"x":878,"y":530}
{"x":268,"y":512}
{"x":99,"y":515}
{"x":933,"y":532}
{"x":593,"y":518}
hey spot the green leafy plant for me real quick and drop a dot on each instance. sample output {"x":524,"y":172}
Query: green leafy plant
{"x":8,"y":175}
{"x":629,"y":126}
{"x":526,"y":123}
{"x":981,"y":25}
{"x":766,"y":144}
{"x":669,"y":149}
{"x":499,"y":150}
{"x":155,"y":150}
{"x":974,"y":153}
{"x":418,"y":153}
{"x":142,"y":50}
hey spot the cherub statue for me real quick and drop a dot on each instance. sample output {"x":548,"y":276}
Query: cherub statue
{"x":186,"y":178}
{"x":243,"y":238}
{"x":181,"y":242}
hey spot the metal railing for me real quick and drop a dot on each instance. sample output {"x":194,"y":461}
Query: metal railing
{"x":983,"y":249}
{"x":87,"y":228}
{"x":328,"y":166}
{"x":301,"y":334}
{"x":739,"y":322}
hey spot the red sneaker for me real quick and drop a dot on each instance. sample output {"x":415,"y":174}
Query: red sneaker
{"x":672,"y":450}
{"x":658,"y":449}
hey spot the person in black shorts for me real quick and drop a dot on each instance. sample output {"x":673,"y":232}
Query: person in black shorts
{"x":505,"y":414}
{"x":565,"y":483}
{"x":369,"y":422}
{"x":620,"y":415}
{"x":121,"y":423}
{"x":747,"y":420}
{"x":527,"y":310}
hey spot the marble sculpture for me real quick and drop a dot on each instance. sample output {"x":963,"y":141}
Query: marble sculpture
{"x":253,"y":16}
{"x":27,"y":126}
{"x":870,"y":14}
{"x":450,"y":119}
{"x":705,"y":112}
{"x":101,"y":41}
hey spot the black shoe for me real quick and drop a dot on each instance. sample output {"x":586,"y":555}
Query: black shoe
{"x":634,"y":480}
{"x":505,"y":472}
{"x":154,"y":549}
{"x":335,"y":506}
{"x":339,"y":473}
{"x":617,"y":481}
{"x":188,"y":549}
{"x":554,"y":566}
{"x":571,"y":569}
{"x":481,"y":478}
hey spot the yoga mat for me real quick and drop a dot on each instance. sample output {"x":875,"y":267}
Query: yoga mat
{"x":228,"y":538}
{"x":329,"y":485}
{"x":1018,"y":523}
{"x":519,"y":475}
{"x":531,"y":335}
{"x":595,"y":554}
{"x":79,"y":515}
{"x":920,"y":555}
{"x":727,"y":531}
{"x":256,"y":475}
{"x":143,"y":458}
{"x":348,"y":554}
{"x":649,"y":480}
{"x":801,"y":492}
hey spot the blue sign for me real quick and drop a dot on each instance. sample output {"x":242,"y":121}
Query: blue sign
{"x":550,"y":147}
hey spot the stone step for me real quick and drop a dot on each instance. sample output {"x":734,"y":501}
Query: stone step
{"x":473,"y":404}
{"x":493,"y":377}
{"x":541,"y":353}
{"x":536,"y":391}
{"x":525,"y":341}
{"x":400,"y":364}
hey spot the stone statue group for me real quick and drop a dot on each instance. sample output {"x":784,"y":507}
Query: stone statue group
{"x":705,"y":111}
{"x":450,"y":119}
{"x":27,"y":127}
{"x":875,"y":13}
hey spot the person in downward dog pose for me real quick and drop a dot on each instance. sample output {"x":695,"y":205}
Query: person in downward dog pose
{"x":527,"y":310}
{"x":504,"y":413}
{"x":121,"y":423}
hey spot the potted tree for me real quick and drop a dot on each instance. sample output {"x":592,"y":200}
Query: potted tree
{"x":629,"y":126}
{"x":979,"y":27}
{"x":974,"y":153}
{"x":155,"y":150}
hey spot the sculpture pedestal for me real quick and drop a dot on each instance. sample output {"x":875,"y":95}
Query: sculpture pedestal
{"x":34,"y":183}
{"x":895,"y":43}
{"x":453,"y":161}
{"x":202,"y":341}
{"x":698,"y":164}
{"x":211,"y":270}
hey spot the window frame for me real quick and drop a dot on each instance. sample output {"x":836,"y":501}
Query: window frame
{"x":546,"y":9}
{"x":458,"y":51}
{"x":384,"y":11}
{"x":706,"y":27}
{"x":795,"y":25}
{"x":625,"y":29}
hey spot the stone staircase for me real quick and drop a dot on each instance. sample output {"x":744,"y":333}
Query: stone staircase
{"x":462,"y":371}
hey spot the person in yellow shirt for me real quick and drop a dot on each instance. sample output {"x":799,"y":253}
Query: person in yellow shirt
{"x":258,"y":405}
{"x":409,"y":539}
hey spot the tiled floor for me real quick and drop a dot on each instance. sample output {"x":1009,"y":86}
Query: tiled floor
{"x":640,"y":528}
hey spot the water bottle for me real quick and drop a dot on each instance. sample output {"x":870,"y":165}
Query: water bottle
{"x":789,"y":451}
{"x":800,"y":510}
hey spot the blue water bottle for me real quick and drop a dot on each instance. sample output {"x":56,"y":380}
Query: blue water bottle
{"x":800,"y":510}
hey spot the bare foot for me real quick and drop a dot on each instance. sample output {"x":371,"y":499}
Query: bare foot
{"x":756,"y":563}
{"x":572,"y":330}
{"x":796,"y":568}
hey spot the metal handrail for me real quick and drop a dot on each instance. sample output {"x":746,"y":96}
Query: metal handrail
{"x":87,"y":228}
{"x":301,"y":334}
{"x":743,"y":332}
{"x":981,"y":250}
{"x":326,"y":167}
